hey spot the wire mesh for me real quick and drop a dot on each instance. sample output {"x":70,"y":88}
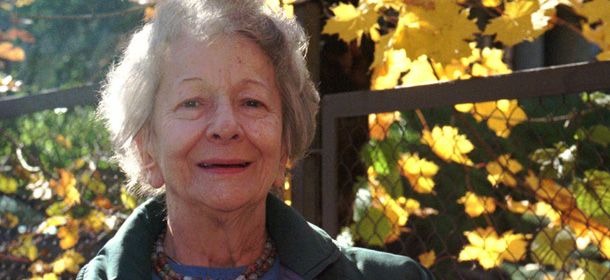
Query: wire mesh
{"x":508,"y":189}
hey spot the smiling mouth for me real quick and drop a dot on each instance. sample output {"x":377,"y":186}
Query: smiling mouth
{"x":215,"y":165}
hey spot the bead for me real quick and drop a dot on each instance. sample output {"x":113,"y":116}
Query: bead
{"x":253,"y":271}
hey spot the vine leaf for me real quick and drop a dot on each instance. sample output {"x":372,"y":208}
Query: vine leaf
{"x":7,"y":184}
{"x":593,"y":193}
{"x":448,"y":144}
{"x":427,"y":259}
{"x":475,"y":205}
{"x":419,"y":172}
{"x":552,"y":246}
{"x":497,"y":173}
{"x":490,"y":250}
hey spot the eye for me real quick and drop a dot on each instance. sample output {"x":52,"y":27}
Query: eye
{"x":253,"y":103}
{"x":191,"y":104}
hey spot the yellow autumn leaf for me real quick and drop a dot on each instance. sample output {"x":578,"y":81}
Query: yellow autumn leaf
{"x":52,"y":221}
{"x":419,"y":172}
{"x":379,"y":124}
{"x":521,"y":20}
{"x":475,"y":205}
{"x":95,"y":221}
{"x":596,"y":10}
{"x":9,"y":220}
{"x":491,"y":3}
{"x":441,"y":33}
{"x":549,"y":191}
{"x":7,"y":184}
{"x":64,"y":141}
{"x":25,"y":247}
{"x":421,"y":72}
{"x":129,"y":201}
{"x":448,"y":144}
{"x":497,"y":171}
{"x":68,"y":234}
{"x":501,"y":115}
{"x":351,"y":22}
{"x":10,"y":52}
{"x":392,"y":209}
{"x":427,"y":259}
{"x":386,"y":75}
{"x":69,"y":261}
{"x":490,"y":63}
{"x":490,"y":250}
{"x":66,"y":187}
{"x":46,"y":276}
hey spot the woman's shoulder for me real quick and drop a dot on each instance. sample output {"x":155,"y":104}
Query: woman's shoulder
{"x":375,"y":264}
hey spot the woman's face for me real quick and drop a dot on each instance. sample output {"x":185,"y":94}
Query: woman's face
{"x":216,"y":130}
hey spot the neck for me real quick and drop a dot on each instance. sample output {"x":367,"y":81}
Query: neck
{"x":199,"y":236}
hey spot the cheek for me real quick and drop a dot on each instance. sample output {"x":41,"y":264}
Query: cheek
{"x":177,"y":138}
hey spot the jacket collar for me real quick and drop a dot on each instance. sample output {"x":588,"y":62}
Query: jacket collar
{"x":302,"y":247}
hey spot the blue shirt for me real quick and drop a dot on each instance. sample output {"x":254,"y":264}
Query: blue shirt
{"x":219,"y":273}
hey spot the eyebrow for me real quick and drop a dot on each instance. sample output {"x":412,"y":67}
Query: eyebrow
{"x":241,"y":84}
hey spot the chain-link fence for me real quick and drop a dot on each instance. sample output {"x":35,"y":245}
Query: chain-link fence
{"x":505,"y":189}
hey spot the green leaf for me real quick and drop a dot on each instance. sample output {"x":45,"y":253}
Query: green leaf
{"x":552,"y":246}
{"x":7,"y":184}
{"x":383,"y":157}
{"x":598,"y":98}
{"x":555,"y":162}
{"x":373,"y":228}
{"x":593,"y":194}
{"x":594,"y":270}
{"x":600,"y":134}
{"x":57,"y":209}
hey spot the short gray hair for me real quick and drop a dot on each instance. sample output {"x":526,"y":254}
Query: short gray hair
{"x":128,"y":95}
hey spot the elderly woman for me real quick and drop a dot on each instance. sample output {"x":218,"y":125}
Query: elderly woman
{"x":209,"y":104}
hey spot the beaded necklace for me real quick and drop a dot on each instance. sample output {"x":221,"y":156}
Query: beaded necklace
{"x":253,"y":271}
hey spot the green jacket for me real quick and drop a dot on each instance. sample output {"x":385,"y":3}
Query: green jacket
{"x":303,"y":248}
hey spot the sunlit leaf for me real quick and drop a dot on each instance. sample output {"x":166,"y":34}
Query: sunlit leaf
{"x":129,"y":201}
{"x":448,"y":144}
{"x":475,"y":205}
{"x":350,"y":22}
{"x":441,"y":33}
{"x":552,"y":246}
{"x":69,"y":261}
{"x":10,"y":52}
{"x":593,"y":270}
{"x":427,"y":259}
{"x":490,"y":250}
{"x":595,"y":10}
{"x":419,"y":172}
{"x":25,"y":247}
{"x":421,"y":72}
{"x":66,"y":187}
{"x":555,"y":162}
{"x":521,"y":20}
{"x":68,"y":234}
{"x":379,"y":124}
{"x":593,"y":193}
{"x":95,"y":221}
{"x":548,"y":190}
{"x":385,"y":76}
{"x":497,"y":171}
{"x":7,"y":184}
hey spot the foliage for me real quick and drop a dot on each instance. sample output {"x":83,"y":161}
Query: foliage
{"x":562,"y":186}
{"x":61,"y":194}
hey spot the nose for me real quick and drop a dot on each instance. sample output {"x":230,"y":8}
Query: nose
{"x":223,"y":126}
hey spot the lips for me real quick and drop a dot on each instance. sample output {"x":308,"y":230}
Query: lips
{"x":207,"y":165}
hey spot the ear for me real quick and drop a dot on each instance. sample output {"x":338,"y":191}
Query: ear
{"x":151,"y":168}
{"x":281,"y":173}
